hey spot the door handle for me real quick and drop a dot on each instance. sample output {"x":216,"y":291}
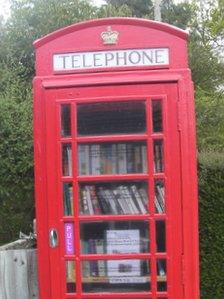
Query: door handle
{"x":53,"y":238}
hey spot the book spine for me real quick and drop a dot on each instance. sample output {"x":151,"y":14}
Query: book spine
{"x":137,"y":159}
{"x":101,"y":263}
{"x":120,"y":201}
{"x":130,"y":158}
{"x":138,"y":199}
{"x":84,"y":202}
{"x":103,"y":202}
{"x":122,"y":159}
{"x":114,"y":158}
{"x":130,"y":198}
{"x":93,"y":264}
{"x":89,"y":201}
{"x":95,"y":159}
{"x":144,"y":197}
{"x":111,"y":201}
{"x":144,"y":159}
{"x":94,"y":199}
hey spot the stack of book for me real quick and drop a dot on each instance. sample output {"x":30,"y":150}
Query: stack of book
{"x":112,"y":158}
{"x":115,"y":200}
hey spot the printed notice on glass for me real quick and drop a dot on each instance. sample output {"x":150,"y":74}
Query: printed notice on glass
{"x":123,"y":241}
{"x":69,"y":239}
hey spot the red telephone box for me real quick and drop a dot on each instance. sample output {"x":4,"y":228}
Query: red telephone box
{"x":115,"y":162}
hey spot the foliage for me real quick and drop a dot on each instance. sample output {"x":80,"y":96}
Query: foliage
{"x":16,"y":163}
{"x":138,"y":8}
{"x":210,"y":120}
{"x":211,"y":199}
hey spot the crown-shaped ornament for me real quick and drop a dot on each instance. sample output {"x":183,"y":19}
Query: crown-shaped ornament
{"x":109,"y":37}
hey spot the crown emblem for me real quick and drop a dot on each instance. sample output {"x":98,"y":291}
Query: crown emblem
{"x":109,"y":37}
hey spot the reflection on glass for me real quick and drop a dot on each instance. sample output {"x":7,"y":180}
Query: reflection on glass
{"x":65,"y":120}
{"x":130,"y":275}
{"x":114,"y":237}
{"x":159,"y":196}
{"x":66,"y":160}
{"x":70,"y":276}
{"x":111,"y":118}
{"x":161,"y":275}
{"x":158,"y":156}
{"x":160,"y":236}
{"x":113,"y":198}
{"x":157,"y":116}
{"x":112,"y":158}
{"x":68,"y":199}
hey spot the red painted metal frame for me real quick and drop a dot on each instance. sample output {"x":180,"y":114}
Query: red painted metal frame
{"x":50,"y":90}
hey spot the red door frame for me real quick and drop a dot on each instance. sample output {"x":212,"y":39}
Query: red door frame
{"x":188,"y":167}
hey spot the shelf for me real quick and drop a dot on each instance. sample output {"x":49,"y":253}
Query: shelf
{"x":103,"y":279}
{"x":114,"y":177}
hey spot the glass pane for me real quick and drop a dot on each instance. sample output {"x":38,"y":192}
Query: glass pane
{"x":159,"y":196}
{"x":160,"y":236}
{"x":112,"y":158}
{"x":70,"y":276}
{"x":161,"y":275}
{"x":66,"y":160}
{"x":157,"y":116}
{"x":69,"y":238}
{"x":111,"y":118}
{"x":158,"y":156}
{"x":65,"y":120}
{"x":113,"y":198}
{"x":68,"y":199}
{"x":114,"y":237}
{"x":116,"y":276}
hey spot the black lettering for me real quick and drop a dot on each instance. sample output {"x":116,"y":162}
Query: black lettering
{"x":95,"y":59}
{"x":121,"y":57}
{"x":84,"y":61}
{"x":64,"y":60}
{"x":108,"y":57}
{"x":75,"y":60}
{"x":132,"y":57}
{"x":146,"y":58}
{"x":159,"y":56}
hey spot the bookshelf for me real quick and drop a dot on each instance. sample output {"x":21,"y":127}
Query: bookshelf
{"x":117,"y":191}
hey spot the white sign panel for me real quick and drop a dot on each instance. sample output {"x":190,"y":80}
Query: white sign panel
{"x":111,"y":59}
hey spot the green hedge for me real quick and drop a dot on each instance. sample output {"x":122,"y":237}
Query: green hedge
{"x":211,"y":208}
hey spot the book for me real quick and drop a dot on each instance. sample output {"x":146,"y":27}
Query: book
{"x":144,"y":158}
{"x":67,"y":160}
{"x":158,"y":156}
{"x":94,"y":271}
{"x":159,"y":197}
{"x":89,"y":201}
{"x":84,"y":159}
{"x":105,"y":207}
{"x":68,"y":199}
{"x":138,"y":199}
{"x":99,"y":243}
{"x":121,"y":158}
{"x":94,"y":200}
{"x":130,"y":157}
{"x":129,"y":200}
{"x":95,"y":159}
{"x":138,"y":163}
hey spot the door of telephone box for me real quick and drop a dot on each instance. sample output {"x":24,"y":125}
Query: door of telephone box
{"x":113,"y":195}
